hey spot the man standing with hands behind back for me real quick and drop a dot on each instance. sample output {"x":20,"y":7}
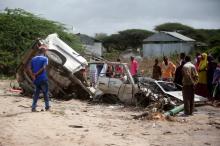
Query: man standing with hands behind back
{"x":190,"y":78}
{"x":37,"y":71}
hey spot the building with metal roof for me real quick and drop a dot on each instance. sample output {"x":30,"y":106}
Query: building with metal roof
{"x":92,"y":45}
{"x":167,"y":43}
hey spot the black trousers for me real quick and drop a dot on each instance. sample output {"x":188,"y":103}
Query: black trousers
{"x":188,"y":99}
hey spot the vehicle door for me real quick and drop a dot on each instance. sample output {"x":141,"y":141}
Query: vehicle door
{"x":127,"y":89}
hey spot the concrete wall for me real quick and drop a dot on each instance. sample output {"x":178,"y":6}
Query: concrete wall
{"x":96,"y":48}
{"x":157,"y":50}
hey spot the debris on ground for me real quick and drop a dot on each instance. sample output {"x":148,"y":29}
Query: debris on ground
{"x":67,"y":80}
{"x":150,"y":116}
{"x":75,"y":126}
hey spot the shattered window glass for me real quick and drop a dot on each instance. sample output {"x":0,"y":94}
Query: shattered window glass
{"x":168,"y":86}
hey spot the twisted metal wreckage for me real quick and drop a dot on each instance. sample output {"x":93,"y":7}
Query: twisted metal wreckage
{"x":66,"y":80}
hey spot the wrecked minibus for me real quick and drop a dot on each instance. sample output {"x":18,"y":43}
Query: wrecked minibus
{"x":66,"y":79}
{"x":63,"y":70}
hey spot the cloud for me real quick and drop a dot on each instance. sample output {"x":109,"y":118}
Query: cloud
{"x":94,"y":16}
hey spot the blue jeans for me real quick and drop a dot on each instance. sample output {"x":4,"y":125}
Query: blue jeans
{"x":41,"y":86}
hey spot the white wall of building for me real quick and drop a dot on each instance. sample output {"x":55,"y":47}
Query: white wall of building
{"x":167,"y":49}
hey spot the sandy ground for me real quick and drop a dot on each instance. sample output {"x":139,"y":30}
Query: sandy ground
{"x":77,"y":123}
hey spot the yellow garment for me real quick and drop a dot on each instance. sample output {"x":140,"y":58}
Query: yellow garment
{"x":203,"y":69}
{"x":168,"y":70}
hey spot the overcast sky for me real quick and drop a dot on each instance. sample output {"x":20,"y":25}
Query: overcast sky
{"x":110,"y":16}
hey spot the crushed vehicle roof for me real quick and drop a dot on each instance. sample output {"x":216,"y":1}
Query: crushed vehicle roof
{"x":65,"y":78}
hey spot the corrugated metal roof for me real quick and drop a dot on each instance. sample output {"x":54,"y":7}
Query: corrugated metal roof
{"x":85,"y":39}
{"x":180,"y":36}
{"x":161,"y":37}
{"x":168,"y":37}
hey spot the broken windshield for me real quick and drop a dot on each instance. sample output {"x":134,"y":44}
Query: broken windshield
{"x":168,"y":86}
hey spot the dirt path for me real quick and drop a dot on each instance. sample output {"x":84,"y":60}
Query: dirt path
{"x":73,"y":123}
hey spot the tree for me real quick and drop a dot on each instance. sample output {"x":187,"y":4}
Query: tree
{"x":215,"y":51}
{"x":100,"y":36}
{"x":131,"y":38}
{"x":214,"y":40}
{"x":173,"y":27}
{"x":134,"y":37}
{"x":18,"y":30}
{"x":212,"y":36}
{"x":112,"y":42}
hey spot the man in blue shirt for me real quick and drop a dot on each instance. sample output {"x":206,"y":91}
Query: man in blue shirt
{"x":37,"y":70}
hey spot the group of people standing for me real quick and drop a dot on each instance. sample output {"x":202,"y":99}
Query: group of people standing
{"x":209,"y":76}
{"x":205,"y":65}
{"x":201,"y":77}
{"x":164,"y":71}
